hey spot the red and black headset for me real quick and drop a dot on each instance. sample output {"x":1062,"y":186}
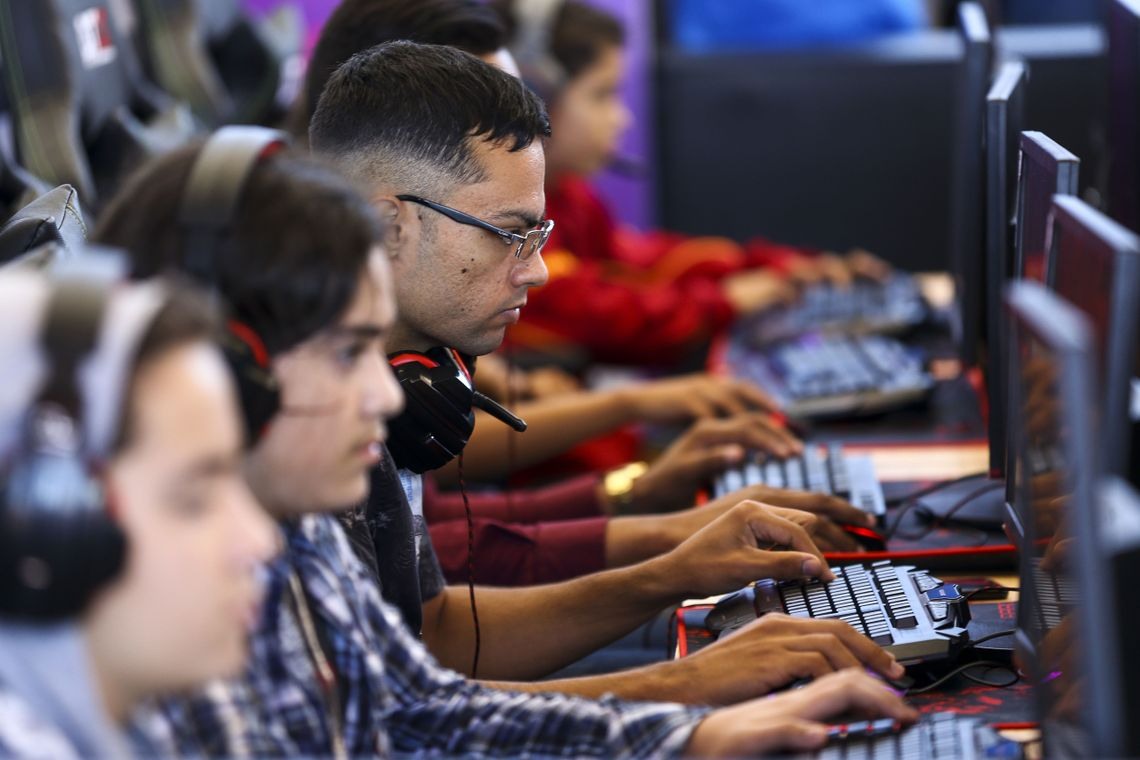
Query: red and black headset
{"x":439,"y":410}
{"x":206,"y":213}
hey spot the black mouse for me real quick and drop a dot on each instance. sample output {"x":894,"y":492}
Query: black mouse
{"x":869,"y":538}
{"x":732,"y":611}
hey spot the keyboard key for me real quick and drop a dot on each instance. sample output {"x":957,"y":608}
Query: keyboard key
{"x":815,"y":471}
{"x":773,"y":474}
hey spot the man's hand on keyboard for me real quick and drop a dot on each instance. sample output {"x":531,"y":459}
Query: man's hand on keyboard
{"x":670,"y":531}
{"x":758,"y":289}
{"x":863,"y":263}
{"x":737,"y":548}
{"x":828,"y":536}
{"x":778,"y":649}
{"x":794,"y":720}
{"x":838,"y":270}
{"x":706,"y":449}
{"x":694,"y":397}
{"x":822,"y":504}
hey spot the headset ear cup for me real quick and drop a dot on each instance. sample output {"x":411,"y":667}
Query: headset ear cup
{"x":438,"y":418}
{"x":53,"y":559}
{"x":258,"y":391}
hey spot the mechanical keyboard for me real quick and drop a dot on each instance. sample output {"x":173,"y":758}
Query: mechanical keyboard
{"x":849,"y":477}
{"x":1056,"y":596}
{"x":864,"y":307}
{"x":906,"y":611}
{"x":817,"y":376}
{"x":938,"y":736}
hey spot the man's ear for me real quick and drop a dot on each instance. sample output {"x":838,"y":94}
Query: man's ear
{"x":401,"y":223}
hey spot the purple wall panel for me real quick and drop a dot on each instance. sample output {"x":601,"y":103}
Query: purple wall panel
{"x":632,"y":199}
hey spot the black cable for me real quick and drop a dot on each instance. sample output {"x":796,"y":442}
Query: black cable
{"x":470,"y":568}
{"x":964,"y":671}
{"x":942,"y":519}
{"x":935,"y":488}
{"x":990,"y":636}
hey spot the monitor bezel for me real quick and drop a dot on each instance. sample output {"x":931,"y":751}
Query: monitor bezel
{"x":968,"y":182}
{"x":1005,"y":104}
{"x":1041,"y":150}
{"x":1077,"y":217}
{"x":1068,"y":336}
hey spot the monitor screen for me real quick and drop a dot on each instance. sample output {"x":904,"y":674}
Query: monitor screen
{"x":1095,"y":265}
{"x":967,"y":196}
{"x":1051,"y":368}
{"x":1124,"y":108}
{"x":1046,"y":169}
{"x":1005,"y":112}
{"x":1111,"y":614}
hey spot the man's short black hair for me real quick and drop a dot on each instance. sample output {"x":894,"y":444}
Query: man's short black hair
{"x":288,"y":266}
{"x":357,"y":25}
{"x":407,"y":115}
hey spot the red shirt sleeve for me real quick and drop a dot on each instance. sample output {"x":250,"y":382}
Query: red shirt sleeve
{"x":568,"y":500}
{"x":508,"y":554}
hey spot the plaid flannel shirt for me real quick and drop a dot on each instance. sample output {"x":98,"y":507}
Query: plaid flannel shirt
{"x":393,"y":696}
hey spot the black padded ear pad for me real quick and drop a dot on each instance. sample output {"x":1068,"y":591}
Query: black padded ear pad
{"x":58,"y":544}
{"x":258,"y":390}
{"x":438,"y":417}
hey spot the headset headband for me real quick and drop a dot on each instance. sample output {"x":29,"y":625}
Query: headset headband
{"x":93,"y":328}
{"x":215,"y":186}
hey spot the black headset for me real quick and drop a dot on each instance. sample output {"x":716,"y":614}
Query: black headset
{"x":207,"y":211}
{"x":439,"y":409}
{"x":58,"y":541}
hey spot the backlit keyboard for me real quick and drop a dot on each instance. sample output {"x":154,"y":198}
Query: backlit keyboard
{"x":865,"y":307}
{"x":831,"y":471}
{"x":943,"y":736}
{"x":906,"y":611}
{"x":823,"y":376}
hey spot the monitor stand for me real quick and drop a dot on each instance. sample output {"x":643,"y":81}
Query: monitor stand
{"x":976,"y":503}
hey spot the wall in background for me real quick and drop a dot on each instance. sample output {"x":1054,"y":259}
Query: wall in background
{"x":632,"y":198}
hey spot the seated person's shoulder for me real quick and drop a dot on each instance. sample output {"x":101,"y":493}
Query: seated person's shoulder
{"x":24,"y":734}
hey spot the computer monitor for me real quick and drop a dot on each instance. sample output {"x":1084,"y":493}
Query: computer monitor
{"x":1005,"y":113}
{"x":1124,"y":112}
{"x":967,"y":199}
{"x":1046,"y":169}
{"x":1095,"y":265}
{"x":1052,"y":371}
{"x":1111,"y":614}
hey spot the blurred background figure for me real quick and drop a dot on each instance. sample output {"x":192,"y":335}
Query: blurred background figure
{"x":128,"y":539}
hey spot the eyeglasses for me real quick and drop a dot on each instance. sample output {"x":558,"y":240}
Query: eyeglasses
{"x":525,"y":245}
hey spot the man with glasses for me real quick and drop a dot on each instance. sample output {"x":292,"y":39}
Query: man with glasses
{"x":456,"y":173}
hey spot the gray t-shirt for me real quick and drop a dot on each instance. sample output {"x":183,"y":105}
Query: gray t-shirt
{"x":391,"y":538}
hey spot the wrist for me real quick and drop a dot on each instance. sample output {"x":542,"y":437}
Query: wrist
{"x":660,"y":580}
{"x":623,"y":404}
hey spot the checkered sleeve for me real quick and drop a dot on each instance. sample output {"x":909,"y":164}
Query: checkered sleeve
{"x":438,"y":710}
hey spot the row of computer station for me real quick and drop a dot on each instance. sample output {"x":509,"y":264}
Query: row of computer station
{"x":1046,"y":308}
{"x":1048,"y":300}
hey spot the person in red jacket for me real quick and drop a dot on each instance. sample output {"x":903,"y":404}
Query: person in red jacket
{"x":628,"y":297}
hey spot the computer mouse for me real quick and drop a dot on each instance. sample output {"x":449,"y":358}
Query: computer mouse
{"x":869,"y":538}
{"x":732,"y":611}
